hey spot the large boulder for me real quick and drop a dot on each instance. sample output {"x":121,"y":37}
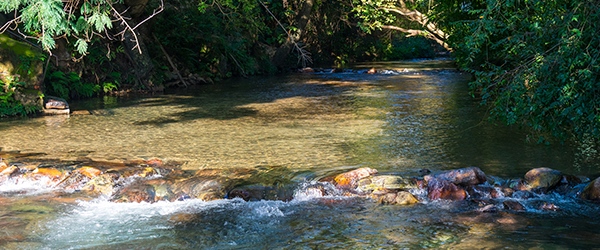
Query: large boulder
{"x":350,"y":179}
{"x":542,"y":179}
{"x":397,"y":198}
{"x":386,"y":182}
{"x":438,"y":188}
{"x":591,"y":191}
{"x":463,"y":176}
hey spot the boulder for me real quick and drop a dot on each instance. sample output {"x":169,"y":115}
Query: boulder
{"x":463,"y":176}
{"x":591,"y":191}
{"x":350,"y":179}
{"x":259,"y":192}
{"x":382,"y":182}
{"x":542,"y":179}
{"x":396,"y":198}
{"x":443,"y":189}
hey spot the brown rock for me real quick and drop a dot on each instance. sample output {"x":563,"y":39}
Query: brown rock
{"x":591,"y":191}
{"x":444,"y":189}
{"x":89,"y":172}
{"x":513,"y":205}
{"x":350,"y":179}
{"x":542,"y":178}
{"x":463,"y":176}
{"x":372,"y":71}
{"x":398,"y":198}
{"x":382,"y":182}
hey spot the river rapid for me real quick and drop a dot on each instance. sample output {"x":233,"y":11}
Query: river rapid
{"x":298,"y":128}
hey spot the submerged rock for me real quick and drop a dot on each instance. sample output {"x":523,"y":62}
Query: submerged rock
{"x":542,"y":179}
{"x":259,"y":192}
{"x":513,"y":205}
{"x":591,"y":192}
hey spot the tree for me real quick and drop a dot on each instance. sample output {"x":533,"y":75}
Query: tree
{"x":536,"y":64}
{"x":407,"y":16}
{"x":47,"y":20}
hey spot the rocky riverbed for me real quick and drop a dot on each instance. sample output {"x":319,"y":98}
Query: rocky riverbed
{"x":154,"y":180}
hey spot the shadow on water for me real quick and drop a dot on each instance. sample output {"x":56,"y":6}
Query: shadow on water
{"x":228,"y":100}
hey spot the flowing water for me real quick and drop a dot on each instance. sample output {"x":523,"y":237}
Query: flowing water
{"x":300,"y":127}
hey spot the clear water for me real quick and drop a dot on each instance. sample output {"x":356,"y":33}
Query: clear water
{"x":416,"y":115}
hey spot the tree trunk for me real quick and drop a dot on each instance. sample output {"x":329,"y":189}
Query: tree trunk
{"x":301,"y":21}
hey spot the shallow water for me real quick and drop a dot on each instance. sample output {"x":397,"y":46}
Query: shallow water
{"x":300,"y":127}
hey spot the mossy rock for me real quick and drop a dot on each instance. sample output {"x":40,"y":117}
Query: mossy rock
{"x":19,"y":59}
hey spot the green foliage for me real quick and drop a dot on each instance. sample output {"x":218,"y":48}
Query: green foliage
{"x":69,"y":85}
{"x":47,"y":19}
{"x":535,"y":62}
{"x":9,"y":105}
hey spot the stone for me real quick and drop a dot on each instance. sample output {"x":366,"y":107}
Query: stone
{"x":591,"y":191}
{"x":52,"y":102}
{"x":100,"y":184}
{"x":350,"y":179}
{"x":89,"y":172}
{"x":380,"y":182}
{"x":542,"y":179}
{"x":372,"y":71}
{"x":444,"y":189}
{"x":137,"y":192}
{"x":463,"y":176}
{"x":513,"y":205}
{"x":396,"y":198}
{"x":259,"y":192}
{"x":484,"y":192}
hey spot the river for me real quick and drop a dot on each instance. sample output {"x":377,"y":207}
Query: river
{"x":411,"y":115}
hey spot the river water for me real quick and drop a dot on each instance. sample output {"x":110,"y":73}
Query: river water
{"x":410,"y":116}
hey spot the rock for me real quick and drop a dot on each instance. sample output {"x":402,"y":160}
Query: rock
{"x":137,"y":192}
{"x":397,"y":198}
{"x":542,"y":179}
{"x":372,"y":71}
{"x":463,"y":176}
{"x":306,"y":70}
{"x":381,"y":182}
{"x":444,"y":189}
{"x":591,"y":191}
{"x":89,"y":172}
{"x":9,"y":170}
{"x":52,"y":102}
{"x":259,"y":192}
{"x":207,"y":184}
{"x":483,"y":192}
{"x":522,"y":194}
{"x":549,"y":207}
{"x":350,"y":179}
{"x":513,"y":205}
{"x":100,"y":184}
{"x":488,"y":209}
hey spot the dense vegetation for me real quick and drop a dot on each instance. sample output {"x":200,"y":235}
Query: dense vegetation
{"x":535,"y":62}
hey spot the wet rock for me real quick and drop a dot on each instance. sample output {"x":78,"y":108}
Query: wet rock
{"x":523,"y":195}
{"x":9,"y":171}
{"x":549,"y":207}
{"x":350,"y":179}
{"x":463,"y":176}
{"x":489,"y":209}
{"x":101,"y":184}
{"x":52,"y":102}
{"x":259,"y":192}
{"x":306,"y":70}
{"x":89,"y":172}
{"x":513,"y":205}
{"x":372,"y":71}
{"x":206,"y":185}
{"x":386,"y":182}
{"x":396,"y":198}
{"x":137,"y":192}
{"x":484,"y":192}
{"x":444,"y":189}
{"x":591,"y":191}
{"x":542,"y":179}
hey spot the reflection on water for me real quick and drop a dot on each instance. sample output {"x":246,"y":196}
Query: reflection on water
{"x":416,"y":115}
